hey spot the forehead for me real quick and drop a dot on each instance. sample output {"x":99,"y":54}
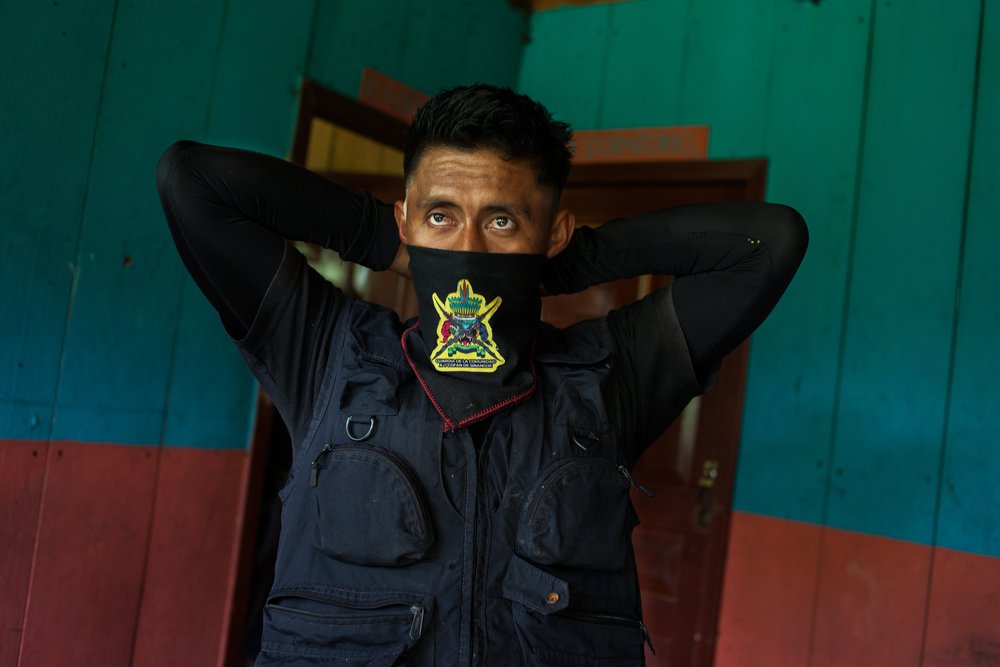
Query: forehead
{"x":449,"y":169}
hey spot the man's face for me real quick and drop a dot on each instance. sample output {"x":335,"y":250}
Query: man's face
{"x":477,"y":201}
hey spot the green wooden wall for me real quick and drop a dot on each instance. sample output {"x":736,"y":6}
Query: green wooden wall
{"x":872,"y":392}
{"x":103,"y":337}
{"x":427,"y":45}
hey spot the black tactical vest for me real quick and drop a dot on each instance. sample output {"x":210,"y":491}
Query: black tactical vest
{"x":404,"y":544}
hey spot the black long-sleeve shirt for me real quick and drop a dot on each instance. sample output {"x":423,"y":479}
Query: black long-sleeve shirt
{"x":230,"y":212}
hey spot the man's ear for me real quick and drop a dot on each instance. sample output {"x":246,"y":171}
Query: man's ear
{"x":561,"y":232}
{"x":399,"y":210}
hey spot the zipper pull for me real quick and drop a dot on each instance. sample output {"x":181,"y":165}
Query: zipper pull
{"x":417,"y":626}
{"x":314,"y":471}
{"x":632,"y":480}
{"x":649,"y":640}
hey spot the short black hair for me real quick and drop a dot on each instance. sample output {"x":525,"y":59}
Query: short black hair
{"x":481,"y":116}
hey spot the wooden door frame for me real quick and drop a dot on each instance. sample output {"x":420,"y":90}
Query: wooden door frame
{"x":745,"y":176}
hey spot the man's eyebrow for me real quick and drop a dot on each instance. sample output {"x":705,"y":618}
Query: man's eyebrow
{"x":435,"y":202}
{"x":509,"y":207}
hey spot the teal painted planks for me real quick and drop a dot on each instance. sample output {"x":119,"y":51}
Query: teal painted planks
{"x":645,"y":61}
{"x":494,"y":39}
{"x":348,"y":36}
{"x":426,"y":45}
{"x":436,"y":44}
{"x":123,"y":322}
{"x":258,"y":72}
{"x":812,"y":134}
{"x":253,"y":105}
{"x":50,"y":89}
{"x":890,"y":420}
{"x":725,"y":73}
{"x":968,"y":519}
{"x":212,"y":395}
{"x":563,"y":63}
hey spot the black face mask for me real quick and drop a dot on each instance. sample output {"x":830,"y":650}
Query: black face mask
{"x":479,"y":314}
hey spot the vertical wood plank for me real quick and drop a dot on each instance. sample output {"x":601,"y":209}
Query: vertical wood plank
{"x":972,"y":457}
{"x":212,"y":394}
{"x":192,"y":551}
{"x":962,"y":628}
{"x":768,"y":592}
{"x":251,"y":104}
{"x":261,"y":59}
{"x":340,"y":50}
{"x":563,"y":64}
{"x":22,"y":471}
{"x":436,"y":44}
{"x":890,"y":421}
{"x":871,"y":600}
{"x":815,"y":103}
{"x":495,"y":38}
{"x":725,"y":73}
{"x":125,"y":248}
{"x":89,"y":561}
{"x":645,"y":60}
{"x":46,"y":136}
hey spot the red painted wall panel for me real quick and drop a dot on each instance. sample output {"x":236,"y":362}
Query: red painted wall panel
{"x":84,"y":593}
{"x":22,"y":470}
{"x":768,"y":592}
{"x":963,"y":624}
{"x":198,"y":512}
{"x":871,"y":601}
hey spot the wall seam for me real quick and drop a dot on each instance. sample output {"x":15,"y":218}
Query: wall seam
{"x":963,"y":238}
{"x":602,"y":89}
{"x":66,"y":324}
{"x":844,"y":323}
{"x":307,"y":60}
{"x":168,"y":385}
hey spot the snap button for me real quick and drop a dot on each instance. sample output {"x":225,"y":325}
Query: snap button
{"x":552,"y":598}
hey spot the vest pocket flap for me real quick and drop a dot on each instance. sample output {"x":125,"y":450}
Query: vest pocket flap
{"x":577,"y":515}
{"x":372,"y":389}
{"x":370,"y":507}
{"x":537,"y":590}
{"x":356,"y":627}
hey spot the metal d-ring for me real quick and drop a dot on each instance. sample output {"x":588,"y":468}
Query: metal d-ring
{"x":371,"y":427}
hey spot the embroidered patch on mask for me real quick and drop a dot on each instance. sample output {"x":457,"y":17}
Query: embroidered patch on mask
{"x":465,"y":336}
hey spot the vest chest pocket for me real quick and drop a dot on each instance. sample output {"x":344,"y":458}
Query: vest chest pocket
{"x":577,"y":515}
{"x":370,"y":507}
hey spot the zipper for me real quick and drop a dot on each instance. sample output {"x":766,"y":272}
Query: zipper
{"x":417,"y":624}
{"x":614,"y":619}
{"x":399,"y":464}
{"x":552,"y":472}
{"x":379,"y":607}
{"x":634,"y":482}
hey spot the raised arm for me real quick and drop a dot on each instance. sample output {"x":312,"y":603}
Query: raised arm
{"x":230,"y":210}
{"x":731,"y":262}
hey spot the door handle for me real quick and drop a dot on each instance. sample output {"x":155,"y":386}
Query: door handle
{"x":704,"y":505}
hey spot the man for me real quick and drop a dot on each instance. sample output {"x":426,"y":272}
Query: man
{"x":459,"y":486}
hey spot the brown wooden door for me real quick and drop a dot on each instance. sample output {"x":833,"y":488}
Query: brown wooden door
{"x":680,"y":543}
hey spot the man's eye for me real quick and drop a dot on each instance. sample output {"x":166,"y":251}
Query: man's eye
{"x":438,"y":218}
{"x":502,"y":222}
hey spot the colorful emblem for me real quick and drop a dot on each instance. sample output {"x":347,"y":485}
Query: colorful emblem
{"x":466,"y":338}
